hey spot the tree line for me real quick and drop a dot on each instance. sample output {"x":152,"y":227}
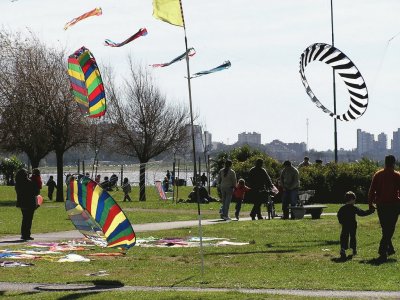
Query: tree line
{"x":38,"y":114}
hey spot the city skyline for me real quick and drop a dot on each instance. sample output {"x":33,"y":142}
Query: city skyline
{"x":262,"y":91}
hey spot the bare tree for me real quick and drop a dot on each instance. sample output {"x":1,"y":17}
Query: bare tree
{"x":39,"y":114}
{"x":144,"y":125}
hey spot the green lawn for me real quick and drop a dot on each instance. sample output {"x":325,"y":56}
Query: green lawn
{"x":292,"y":254}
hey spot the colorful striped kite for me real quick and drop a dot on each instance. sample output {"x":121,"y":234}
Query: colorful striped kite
{"x":96,"y":214}
{"x":225,"y":65}
{"x":189,"y":52}
{"x":141,"y":32}
{"x":95,"y":12}
{"x":87,"y":85}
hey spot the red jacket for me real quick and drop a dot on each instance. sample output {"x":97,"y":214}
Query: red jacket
{"x":239,"y":191}
{"x":385,"y":188}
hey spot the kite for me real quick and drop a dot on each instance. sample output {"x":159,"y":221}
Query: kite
{"x":96,"y":214}
{"x":141,"y":32}
{"x":87,"y":85}
{"x":95,"y":12}
{"x":225,"y":65}
{"x":189,"y":52}
{"x":346,"y":69}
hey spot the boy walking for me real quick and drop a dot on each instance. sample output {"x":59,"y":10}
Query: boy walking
{"x":238,"y":196}
{"x":347,"y":218}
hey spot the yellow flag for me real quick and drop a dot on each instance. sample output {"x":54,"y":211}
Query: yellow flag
{"x":168,"y":11}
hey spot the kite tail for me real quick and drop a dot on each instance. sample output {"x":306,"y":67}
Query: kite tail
{"x":95,"y":12}
{"x":141,"y":32}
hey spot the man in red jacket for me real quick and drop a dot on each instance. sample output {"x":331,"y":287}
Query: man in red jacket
{"x":384,"y":193}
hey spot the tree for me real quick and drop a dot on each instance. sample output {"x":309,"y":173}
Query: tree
{"x":22,"y":127}
{"x":8,"y":167}
{"x":144,"y":125}
{"x":39,"y":114}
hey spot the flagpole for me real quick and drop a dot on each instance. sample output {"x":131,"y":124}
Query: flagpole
{"x":195,"y":177}
{"x":334,"y":92}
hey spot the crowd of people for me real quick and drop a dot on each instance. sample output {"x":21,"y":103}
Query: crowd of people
{"x":383,"y":196}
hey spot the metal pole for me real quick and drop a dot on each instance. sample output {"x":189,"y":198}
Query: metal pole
{"x":334,"y":91}
{"x":195,"y":179}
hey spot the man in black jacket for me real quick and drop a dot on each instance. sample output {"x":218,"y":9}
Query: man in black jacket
{"x":259,"y":182}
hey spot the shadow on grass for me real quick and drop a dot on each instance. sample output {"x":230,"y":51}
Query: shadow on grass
{"x":277,"y":251}
{"x":81,"y":286}
{"x":377,"y":261}
{"x":8,"y":203}
{"x":17,"y":241}
{"x":77,"y":295}
{"x":180,"y":281}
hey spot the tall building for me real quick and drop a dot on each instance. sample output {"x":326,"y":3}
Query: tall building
{"x":249,"y":138}
{"x":365,"y":142}
{"x":207,"y":140}
{"x":198,"y":138}
{"x":396,"y":141}
{"x":382,"y":142}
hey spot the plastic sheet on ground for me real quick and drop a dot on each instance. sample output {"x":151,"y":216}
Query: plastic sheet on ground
{"x":13,"y":264}
{"x":72,"y":257}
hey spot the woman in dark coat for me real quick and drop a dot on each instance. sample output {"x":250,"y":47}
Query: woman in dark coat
{"x":27,"y":190}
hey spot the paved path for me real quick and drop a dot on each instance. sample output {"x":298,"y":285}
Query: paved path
{"x":75,"y":234}
{"x":41,"y":287}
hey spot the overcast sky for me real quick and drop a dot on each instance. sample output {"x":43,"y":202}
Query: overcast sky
{"x":263,"y":39}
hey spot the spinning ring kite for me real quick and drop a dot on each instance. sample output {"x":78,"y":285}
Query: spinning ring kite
{"x":96,"y":214}
{"x":347,"y":71}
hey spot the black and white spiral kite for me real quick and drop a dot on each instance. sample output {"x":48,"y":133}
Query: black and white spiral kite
{"x":347,"y":71}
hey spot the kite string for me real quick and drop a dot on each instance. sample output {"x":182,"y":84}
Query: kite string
{"x":374,"y":82}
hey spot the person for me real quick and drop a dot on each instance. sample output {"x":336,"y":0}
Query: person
{"x":203,"y":196}
{"x":290,"y":182}
{"x":98,"y":178}
{"x":227,"y":181}
{"x":165,"y":184}
{"x":26,"y":190}
{"x":259,"y":182}
{"x":51,"y":184}
{"x":168,"y":175}
{"x":203,"y":179}
{"x":106,"y":184}
{"x":384,"y":195}
{"x":35,"y":177}
{"x":347,"y":218}
{"x":67,"y":178}
{"x":238,"y":195}
{"x":305,"y":162}
{"x":113,"y":182}
{"x":126,"y":188}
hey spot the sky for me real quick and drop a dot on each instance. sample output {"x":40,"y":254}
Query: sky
{"x":263,"y":39}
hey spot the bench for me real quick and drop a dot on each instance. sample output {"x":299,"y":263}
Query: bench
{"x":315,"y":210}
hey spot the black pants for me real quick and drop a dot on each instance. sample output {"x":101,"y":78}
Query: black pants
{"x":348,"y":232}
{"x":256,"y":210}
{"x":27,"y":217}
{"x":388,"y":215}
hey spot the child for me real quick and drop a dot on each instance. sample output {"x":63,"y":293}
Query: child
{"x":347,"y":218}
{"x":238,"y":195}
{"x":126,"y":188}
{"x":35,"y":177}
{"x":51,"y":186}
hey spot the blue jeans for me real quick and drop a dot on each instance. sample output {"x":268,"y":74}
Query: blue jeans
{"x":289,"y":198}
{"x":226,"y":201}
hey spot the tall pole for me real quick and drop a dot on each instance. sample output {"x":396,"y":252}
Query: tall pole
{"x":334,"y":90}
{"x":195,"y":177}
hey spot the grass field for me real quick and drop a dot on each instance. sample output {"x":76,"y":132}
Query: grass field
{"x":295,"y":254}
